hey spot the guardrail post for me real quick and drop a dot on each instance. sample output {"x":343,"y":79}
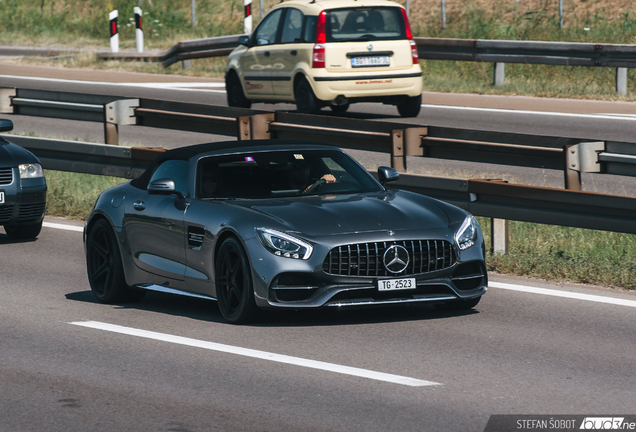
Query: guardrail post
{"x":260,"y":125}
{"x":572,"y":173}
{"x":5,"y":100}
{"x":500,"y":237}
{"x":244,"y":128}
{"x":120,"y":112}
{"x":500,"y":76}
{"x":398,"y":155}
{"x":582,"y":157}
{"x":413,"y":141}
{"x":406,"y":142}
{"x":621,"y":80}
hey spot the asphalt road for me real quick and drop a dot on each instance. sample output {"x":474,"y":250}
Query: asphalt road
{"x":591,"y":120}
{"x":68,"y":363}
{"x":64,"y":368}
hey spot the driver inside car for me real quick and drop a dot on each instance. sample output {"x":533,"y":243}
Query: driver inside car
{"x":300,"y":177}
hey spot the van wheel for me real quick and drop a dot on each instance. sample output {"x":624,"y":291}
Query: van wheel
{"x":410,"y":106}
{"x":234,"y":91}
{"x":306,"y":101}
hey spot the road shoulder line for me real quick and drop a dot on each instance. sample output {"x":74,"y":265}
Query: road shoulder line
{"x":564,"y":294}
{"x":262,"y":355}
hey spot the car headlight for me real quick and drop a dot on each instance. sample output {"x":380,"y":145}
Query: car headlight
{"x":284,"y":245}
{"x":467,"y":233}
{"x":30,"y":170}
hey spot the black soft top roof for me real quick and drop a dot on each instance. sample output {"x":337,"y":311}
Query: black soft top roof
{"x":185,"y":153}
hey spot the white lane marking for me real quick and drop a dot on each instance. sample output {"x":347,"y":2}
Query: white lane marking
{"x":564,"y":294}
{"x":62,"y":226}
{"x":263,"y":355}
{"x":164,"y":86}
{"x":542,"y":113}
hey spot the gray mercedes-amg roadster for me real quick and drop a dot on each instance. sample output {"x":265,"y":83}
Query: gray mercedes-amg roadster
{"x":276,"y":224}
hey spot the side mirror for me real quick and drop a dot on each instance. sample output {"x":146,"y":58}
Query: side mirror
{"x":164,"y":186}
{"x":387,"y":174}
{"x":6,"y":125}
{"x":244,"y":40}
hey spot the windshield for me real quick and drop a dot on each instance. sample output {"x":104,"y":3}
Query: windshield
{"x":360,"y":24}
{"x":282,"y":174}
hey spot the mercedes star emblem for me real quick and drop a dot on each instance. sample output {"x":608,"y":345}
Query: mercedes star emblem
{"x":396,"y":259}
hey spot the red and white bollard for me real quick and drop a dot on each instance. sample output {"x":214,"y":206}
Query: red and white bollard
{"x":114,"y":36}
{"x":248,"y":16}
{"x":139,"y":31}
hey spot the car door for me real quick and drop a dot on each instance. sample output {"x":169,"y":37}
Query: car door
{"x":288,"y":52}
{"x":154,"y":225}
{"x":257,"y":63}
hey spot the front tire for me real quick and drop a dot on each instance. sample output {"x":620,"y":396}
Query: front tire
{"x":234,"y":92}
{"x":410,"y":106}
{"x":306,"y":100}
{"x":23,"y":232}
{"x":234,"y":288}
{"x":104,"y":267}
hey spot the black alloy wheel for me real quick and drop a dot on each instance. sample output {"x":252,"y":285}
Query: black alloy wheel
{"x":234,"y":92}
{"x":104,"y":267}
{"x":234,"y":289}
{"x":306,"y":101}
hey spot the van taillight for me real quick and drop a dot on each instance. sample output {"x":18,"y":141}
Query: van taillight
{"x":318,"y":56}
{"x":409,"y":36}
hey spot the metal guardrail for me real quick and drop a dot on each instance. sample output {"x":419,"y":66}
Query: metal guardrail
{"x":88,"y":158}
{"x":498,"y":52}
{"x":531,"y":52}
{"x":494,"y":199}
{"x":194,"y":49}
{"x":572,"y":155}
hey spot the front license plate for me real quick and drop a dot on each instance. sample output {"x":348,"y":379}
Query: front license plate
{"x":1,"y":197}
{"x":396,"y":284}
{"x":370,"y":61}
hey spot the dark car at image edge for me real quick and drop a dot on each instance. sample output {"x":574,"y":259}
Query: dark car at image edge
{"x":22,"y":189}
{"x":279,"y":225}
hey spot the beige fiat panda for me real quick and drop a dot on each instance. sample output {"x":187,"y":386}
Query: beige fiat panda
{"x":317,"y":53}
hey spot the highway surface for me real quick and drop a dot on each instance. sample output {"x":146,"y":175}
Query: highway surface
{"x":68,"y":363}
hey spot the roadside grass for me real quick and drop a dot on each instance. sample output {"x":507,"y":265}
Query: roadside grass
{"x":539,"y":251}
{"x":566,"y":254}
{"x":84,"y":24}
{"x":72,"y":195}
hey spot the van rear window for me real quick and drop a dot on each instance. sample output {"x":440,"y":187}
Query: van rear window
{"x":365,"y":24}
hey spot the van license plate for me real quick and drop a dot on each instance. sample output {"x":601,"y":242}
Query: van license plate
{"x":370,"y":61}
{"x":1,"y":197}
{"x":396,"y":284}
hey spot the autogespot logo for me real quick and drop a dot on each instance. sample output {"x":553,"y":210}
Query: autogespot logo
{"x":396,"y":259}
{"x":606,"y":423}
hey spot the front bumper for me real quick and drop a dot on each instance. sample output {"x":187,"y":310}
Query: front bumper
{"x":24,"y":201}
{"x":297,"y":284}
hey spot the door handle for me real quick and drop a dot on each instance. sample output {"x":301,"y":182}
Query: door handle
{"x":266,"y":53}
{"x":293,"y":52}
{"x":139,"y":205}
